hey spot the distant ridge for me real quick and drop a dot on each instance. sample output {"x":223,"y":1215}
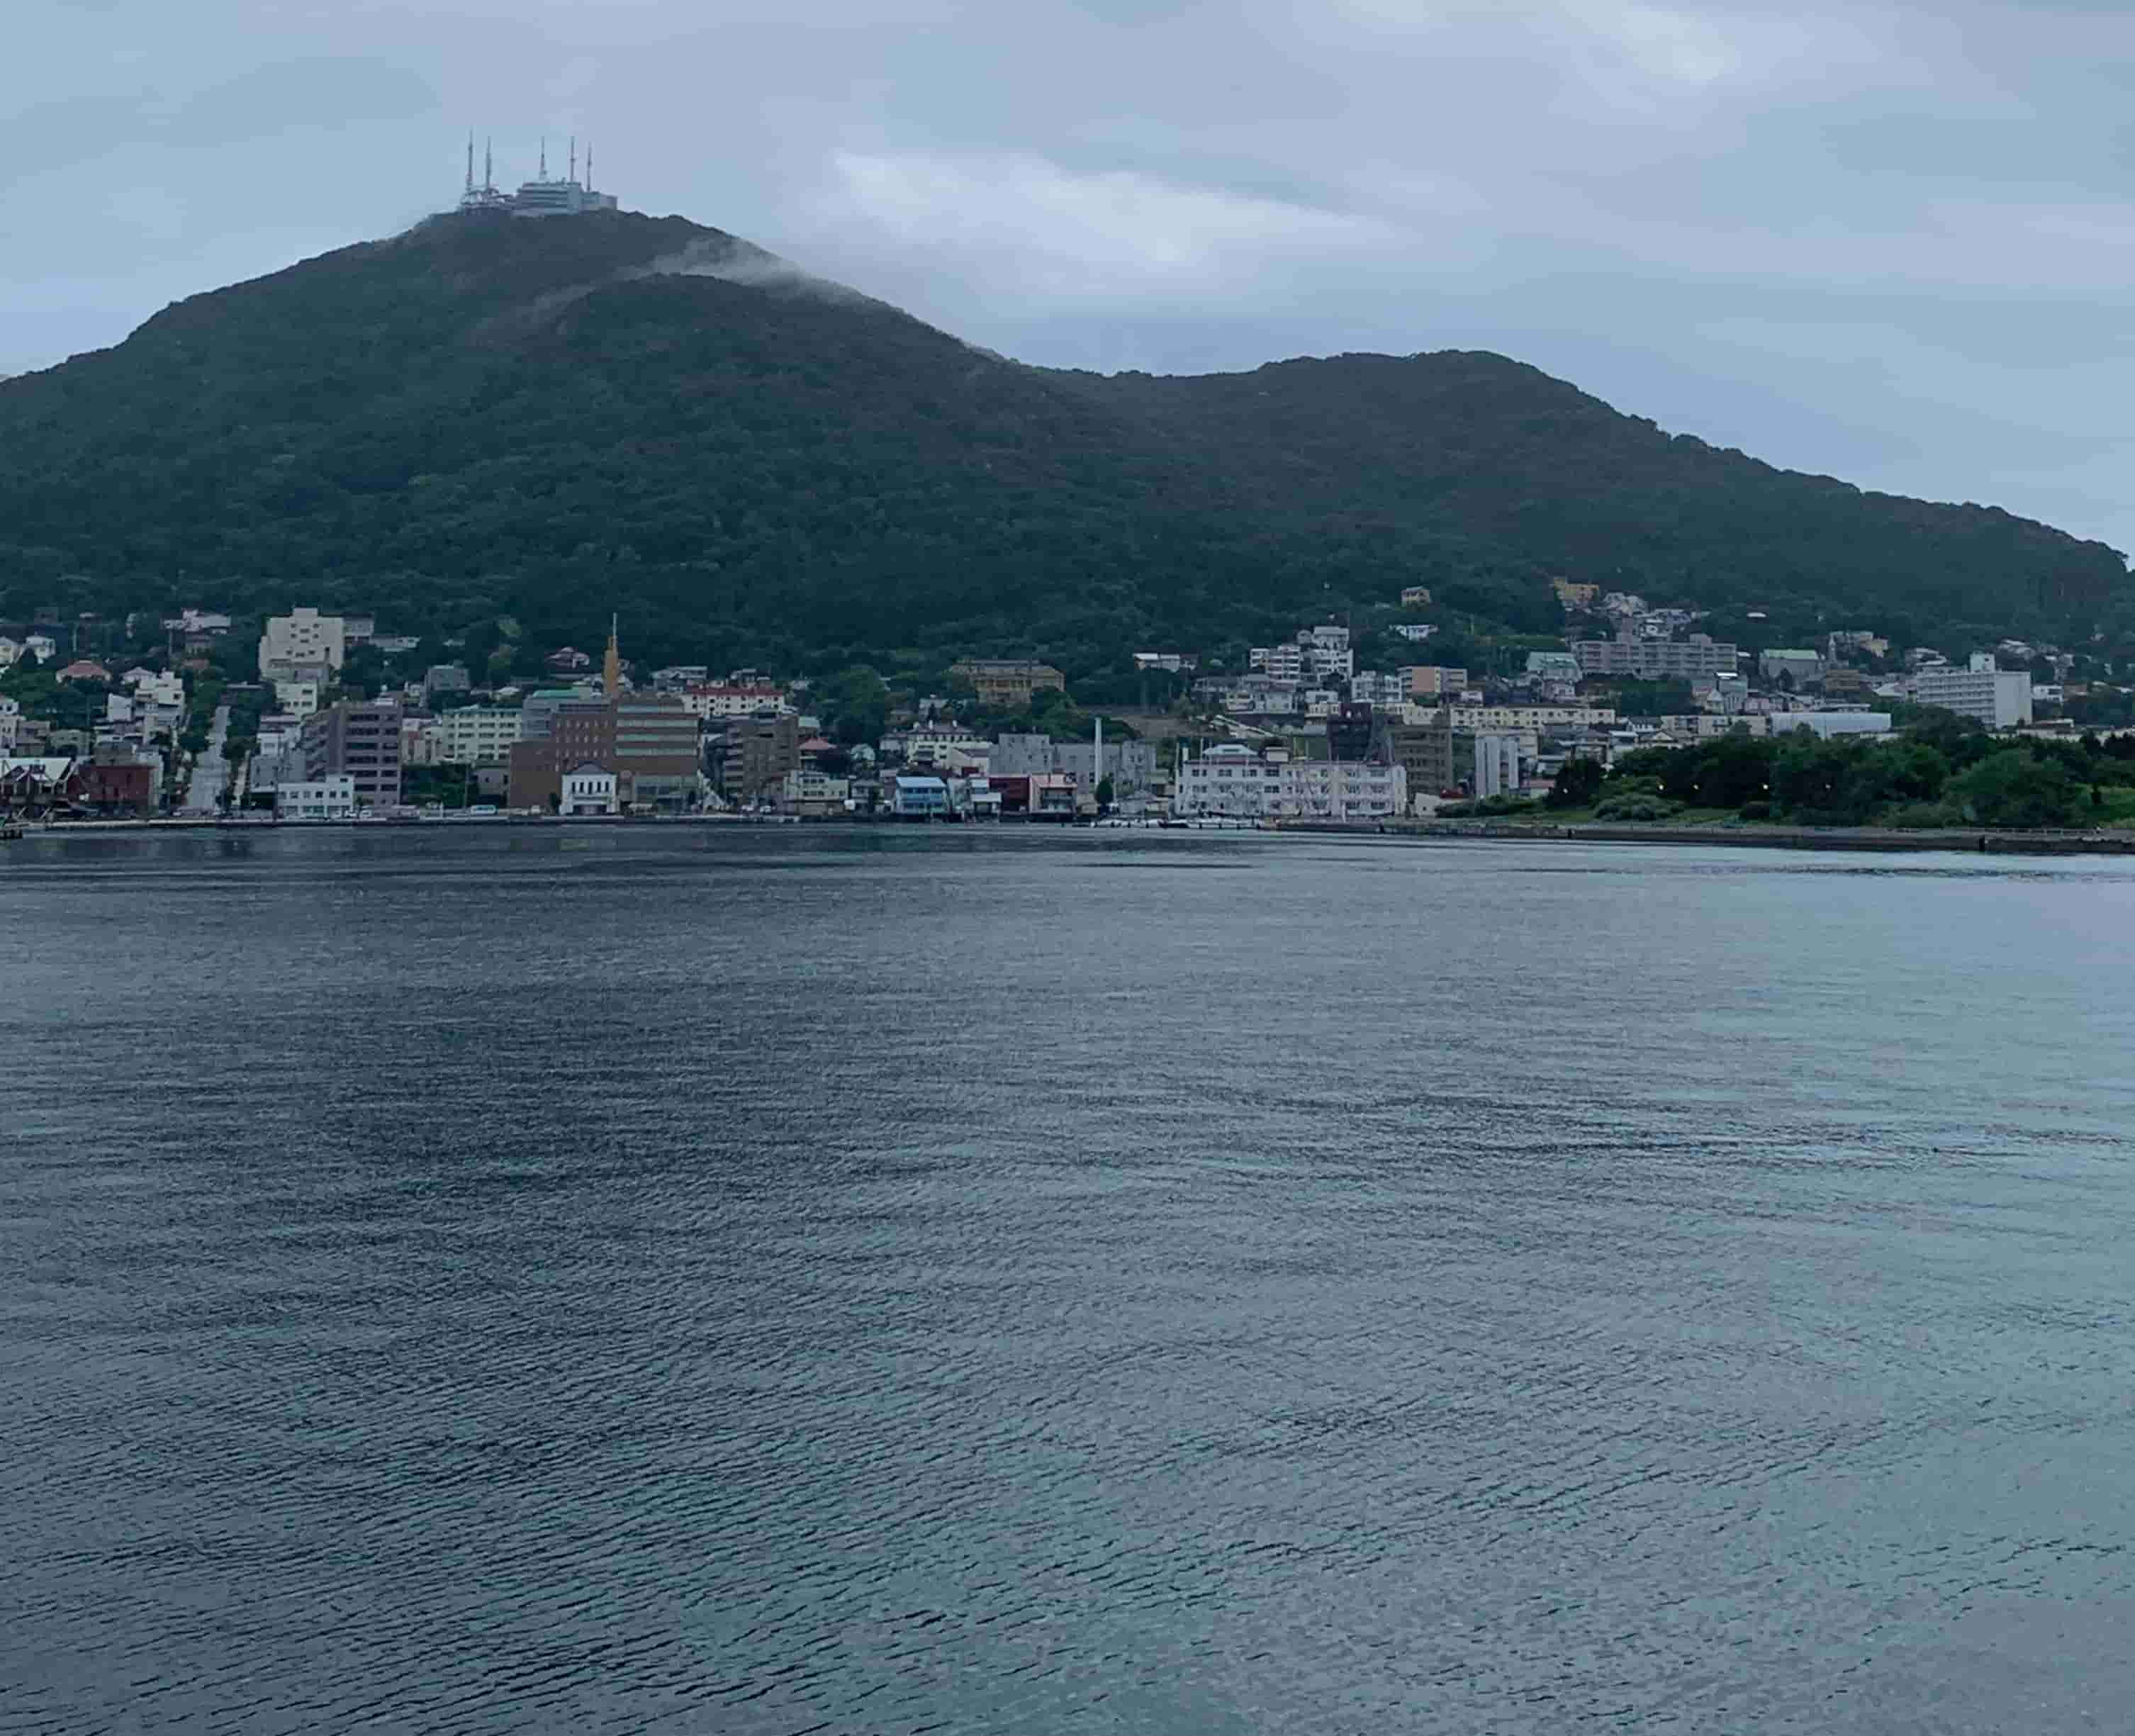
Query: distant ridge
{"x":549,"y":419}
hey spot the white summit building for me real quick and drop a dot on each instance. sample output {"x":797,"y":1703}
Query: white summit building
{"x":539,"y":197}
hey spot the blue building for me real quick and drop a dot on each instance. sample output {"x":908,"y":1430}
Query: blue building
{"x":919,"y":798}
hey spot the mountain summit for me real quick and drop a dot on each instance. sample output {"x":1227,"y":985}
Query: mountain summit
{"x":554,"y":418}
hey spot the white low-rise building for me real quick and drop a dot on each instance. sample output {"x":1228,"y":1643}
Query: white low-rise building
{"x":317,"y":799}
{"x":10,"y":724}
{"x":1231,"y":781}
{"x":302,"y":645}
{"x":1826,"y":725}
{"x":588,"y":790}
{"x":732,"y":699}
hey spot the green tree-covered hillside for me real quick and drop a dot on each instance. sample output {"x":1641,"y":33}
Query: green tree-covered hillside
{"x":543,"y":422}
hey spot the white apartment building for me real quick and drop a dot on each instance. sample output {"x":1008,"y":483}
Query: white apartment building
{"x":1232,"y":781}
{"x":1319,"y":654}
{"x":1825,"y":725}
{"x":324,"y":798}
{"x":724,"y":699}
{"x":299,"y":699}
{"x":10,"y":724}
{"x":1518,"y":717}
{"x":1278,"y":663}
{"x":475,"y":734}
{"x":1327,"y":649}
{"x":1655,"y":659}
{"x":1368,"y":688}
{"x":2000,"y":699}
{"x":304,"y":644}
{"x":166,"y":689}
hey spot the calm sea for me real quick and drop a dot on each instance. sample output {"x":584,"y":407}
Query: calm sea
{"x":686,"y":1279}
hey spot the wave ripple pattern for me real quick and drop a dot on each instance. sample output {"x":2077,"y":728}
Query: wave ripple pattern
{"x":659,"y":1279}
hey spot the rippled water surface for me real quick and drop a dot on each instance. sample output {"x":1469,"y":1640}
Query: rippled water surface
{"x":677,"y":1279}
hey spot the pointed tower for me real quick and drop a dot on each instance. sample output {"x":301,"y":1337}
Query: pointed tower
{"x":612,"y":665}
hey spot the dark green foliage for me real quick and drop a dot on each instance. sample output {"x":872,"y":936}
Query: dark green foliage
{"x":1653,"y":699}
{"x":1577,"y":784}
{"x":483,"y":422}
{"x":2015,"y":788}
{"x":1940,"y":770}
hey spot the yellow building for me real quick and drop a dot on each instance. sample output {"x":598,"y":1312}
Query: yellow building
{"x":1007,"y":683}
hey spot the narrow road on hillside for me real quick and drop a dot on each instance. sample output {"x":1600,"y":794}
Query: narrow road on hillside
{"x":210,"y":770}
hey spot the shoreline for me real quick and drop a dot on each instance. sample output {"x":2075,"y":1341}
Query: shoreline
{"x":1973,"y":842}
{"x":1968,"y":841}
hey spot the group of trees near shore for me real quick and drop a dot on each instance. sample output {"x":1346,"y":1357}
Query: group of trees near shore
{"x":1939,"y":769}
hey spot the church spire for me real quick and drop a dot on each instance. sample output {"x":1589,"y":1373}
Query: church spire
{"x":612,"y":664}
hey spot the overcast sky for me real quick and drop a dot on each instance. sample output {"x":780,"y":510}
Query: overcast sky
{"x":1888,"y":241}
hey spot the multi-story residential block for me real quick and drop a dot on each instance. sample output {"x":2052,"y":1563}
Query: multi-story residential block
{"x":475,"y":734}
{"x":1424,"y":751}
{"x":1652,"y":660}
{"x":303,"y":646}
{"x":2000,"y":699}
{"x":1318,"y":654}
{"x":1232,"y":781}
{"x":10,"y":724}
{"x":1367,"y":687}
{"x":1430,"y":680}
{"x":1528,"y":717}
{"x":361,"y":741}
{"x":1328,"y":652}
{"x":755,"y":755}
{"x":712,"y":700}
{"x":1284,"y":662}
{"x":1004,"y":683}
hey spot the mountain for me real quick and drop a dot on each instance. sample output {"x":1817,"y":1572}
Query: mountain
{"x":547,"y":420}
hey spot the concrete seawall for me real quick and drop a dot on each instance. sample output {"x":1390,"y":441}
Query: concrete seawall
{"x":1757,"y":837}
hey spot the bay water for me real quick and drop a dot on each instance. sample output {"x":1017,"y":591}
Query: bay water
{"x":700,"y":1278}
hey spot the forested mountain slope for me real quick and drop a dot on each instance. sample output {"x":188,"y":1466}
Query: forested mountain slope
{"x":550,"y":419}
